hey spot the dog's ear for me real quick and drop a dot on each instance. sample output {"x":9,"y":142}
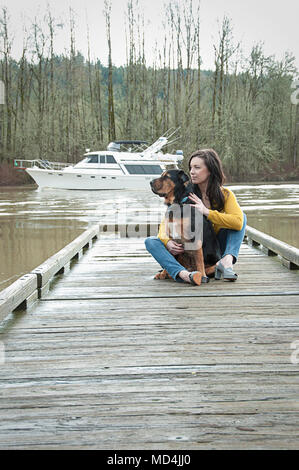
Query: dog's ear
{"x":183,"y":177}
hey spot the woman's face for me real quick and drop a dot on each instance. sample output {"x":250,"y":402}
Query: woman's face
{"x":198,"y":171}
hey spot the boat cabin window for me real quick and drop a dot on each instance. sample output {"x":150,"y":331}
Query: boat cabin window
{"x":92,"y":159}
{"x":144,"y":169}
{"x":106,"y":159}
{"x":110,"y":159}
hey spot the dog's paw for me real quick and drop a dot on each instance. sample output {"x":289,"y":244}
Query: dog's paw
{"x":162,"y":275}
{"x":210,"y":270}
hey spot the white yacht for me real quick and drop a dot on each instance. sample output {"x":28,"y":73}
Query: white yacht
{"x":114,"y":168}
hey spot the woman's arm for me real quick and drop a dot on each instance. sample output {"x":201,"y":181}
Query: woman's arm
{"x":173,"y":247}
{"x":232,"y":215}
{"x":162,"y":233}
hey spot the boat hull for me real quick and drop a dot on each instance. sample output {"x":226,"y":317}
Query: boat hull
{"x":81,"y":181}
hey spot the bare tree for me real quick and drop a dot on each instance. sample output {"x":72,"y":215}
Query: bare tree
{"x":111,"y":117}
{"x":6,"y":139}
{"x":223,"y":53}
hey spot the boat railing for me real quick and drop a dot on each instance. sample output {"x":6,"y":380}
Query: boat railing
{"x":39,"y":163}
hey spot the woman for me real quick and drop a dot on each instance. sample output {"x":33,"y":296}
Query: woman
{"x":220,"y":206}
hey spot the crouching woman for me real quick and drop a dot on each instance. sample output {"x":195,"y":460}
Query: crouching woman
{"x":219,"y":205}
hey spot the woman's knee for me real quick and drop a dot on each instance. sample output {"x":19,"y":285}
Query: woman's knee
{"x":149,"y":241}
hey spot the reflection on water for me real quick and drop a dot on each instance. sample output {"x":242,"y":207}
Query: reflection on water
{"x":271,"y":208}
{"x":35,"y":224}
{"x":26,"y":245}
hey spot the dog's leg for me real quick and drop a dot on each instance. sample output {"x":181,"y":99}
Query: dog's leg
{"x":197,"y":251}
{"x":199,"y":260}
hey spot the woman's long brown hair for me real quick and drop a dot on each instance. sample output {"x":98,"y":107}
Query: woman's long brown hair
{"x":216,"y":179}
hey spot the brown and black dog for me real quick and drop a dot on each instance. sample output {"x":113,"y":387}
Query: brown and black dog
{"x":174,"y":186}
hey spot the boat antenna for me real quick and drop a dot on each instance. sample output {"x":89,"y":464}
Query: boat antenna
{"x":161,"y":142}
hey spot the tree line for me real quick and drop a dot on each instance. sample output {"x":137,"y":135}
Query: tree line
{"x":56,"y":106}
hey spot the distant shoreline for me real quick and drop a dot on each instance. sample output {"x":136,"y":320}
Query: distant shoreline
{"x":19,"y":186}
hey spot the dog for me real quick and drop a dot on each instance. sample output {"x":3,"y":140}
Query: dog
{"x":174,"y":185}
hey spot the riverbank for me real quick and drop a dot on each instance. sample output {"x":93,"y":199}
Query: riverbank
{"x":9,"y":176}
{"x":18,"y":186}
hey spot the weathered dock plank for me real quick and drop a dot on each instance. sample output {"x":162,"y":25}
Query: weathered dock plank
{"x":272,"y":247}
{"x":20,"y":293}
{"x":112,"y":359}
{"x":60,"y":262}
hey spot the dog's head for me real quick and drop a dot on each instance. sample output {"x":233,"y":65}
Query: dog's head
{"x":171,"y":185}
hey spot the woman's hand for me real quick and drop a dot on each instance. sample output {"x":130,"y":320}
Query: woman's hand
{"x":198,"y":204}
{"x":174,"y":248}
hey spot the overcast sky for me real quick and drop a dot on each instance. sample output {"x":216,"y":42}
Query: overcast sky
{"x":273,"y":22}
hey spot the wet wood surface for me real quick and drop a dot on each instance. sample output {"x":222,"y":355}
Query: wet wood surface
{"x":112,"y":359}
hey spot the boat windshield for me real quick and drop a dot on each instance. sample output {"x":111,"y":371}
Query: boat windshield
{"x":93,"y":159}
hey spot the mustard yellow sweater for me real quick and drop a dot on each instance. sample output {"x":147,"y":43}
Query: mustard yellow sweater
{"x":230,"y":217}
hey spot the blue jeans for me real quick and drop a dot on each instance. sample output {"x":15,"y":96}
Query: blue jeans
{"x":229,"y":240}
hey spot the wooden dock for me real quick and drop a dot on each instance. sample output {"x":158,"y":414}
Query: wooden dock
{"x":108,"y":358}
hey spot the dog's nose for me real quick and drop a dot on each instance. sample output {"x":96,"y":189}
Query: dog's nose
{"x":151,"y":183}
